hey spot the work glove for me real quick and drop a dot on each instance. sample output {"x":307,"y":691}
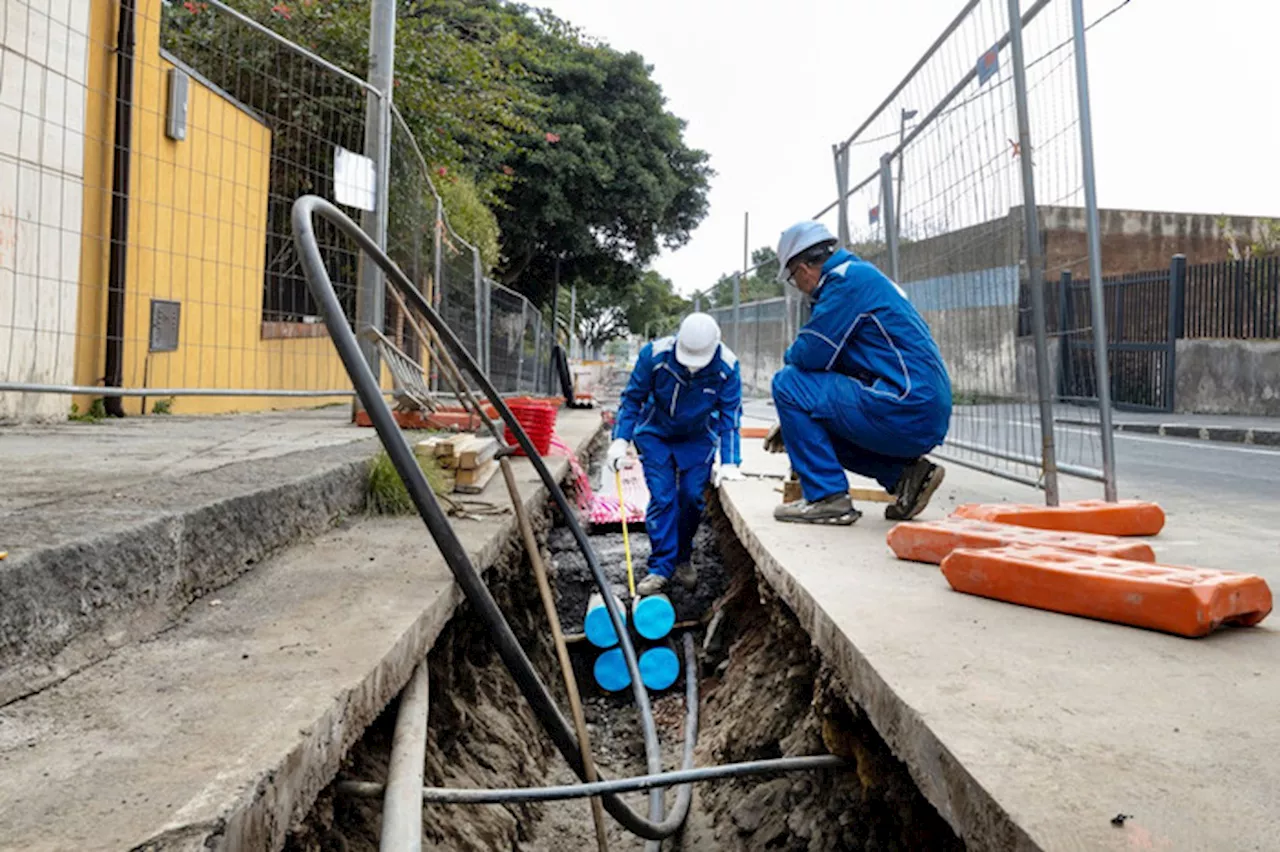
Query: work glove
{"x":773,"y":440}
{"x":728,"y":473}
{"x":617,"y":454}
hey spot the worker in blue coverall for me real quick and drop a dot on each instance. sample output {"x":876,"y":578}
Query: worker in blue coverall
{"x":863,"y":389}
{"x":683,"y":403}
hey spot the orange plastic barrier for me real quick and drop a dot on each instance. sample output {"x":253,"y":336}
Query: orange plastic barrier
{"x":1127,"y":517}
{"x":1185,"y":601}
{"x":931,"y":541}
{"x":753,"y":431}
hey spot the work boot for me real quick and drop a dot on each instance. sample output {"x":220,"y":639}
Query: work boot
{"x":651,"y":585}
{"x":914,"y":489}
{"x":687,"y":576}
{"x":836,"y":510}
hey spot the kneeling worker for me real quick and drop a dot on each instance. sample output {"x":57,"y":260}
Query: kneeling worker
{"x":864,"y":387}
{"x":682,"y":404}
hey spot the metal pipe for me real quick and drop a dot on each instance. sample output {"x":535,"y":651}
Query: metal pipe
{"x":402,"y":803}
{"x":121,"y":174}
{"x":96,"y":390}
{"x":455,"y":555}
{"x":512,"y":795}
{"x":1099,"y":312}
{"x":1035,"y":262}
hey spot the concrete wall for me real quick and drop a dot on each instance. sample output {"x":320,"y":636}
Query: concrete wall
{"x":974,"y":319}
{"x":1228,"y":377}
{"x":1137,"y":240}
{"x":42,"y":125}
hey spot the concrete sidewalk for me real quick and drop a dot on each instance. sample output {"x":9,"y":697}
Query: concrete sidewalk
{"x":219,"y":732}
{"x":1028,"y":729}
{"x":113,"y":528}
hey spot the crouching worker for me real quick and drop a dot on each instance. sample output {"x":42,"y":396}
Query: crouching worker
{"x":682,"y":404}
{"x":863,"y":388}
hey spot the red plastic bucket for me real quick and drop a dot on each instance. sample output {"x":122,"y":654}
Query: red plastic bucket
{"x":539,"y":420}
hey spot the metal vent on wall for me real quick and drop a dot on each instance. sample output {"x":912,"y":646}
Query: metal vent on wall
{"x":165,"y":318}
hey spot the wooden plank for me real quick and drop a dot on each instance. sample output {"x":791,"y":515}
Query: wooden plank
{"x":473,"y":481}
{"x":476,"y":452}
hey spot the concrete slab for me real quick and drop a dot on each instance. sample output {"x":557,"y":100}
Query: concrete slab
{"x":1031,"y":730}
{"x":219,"y":732}
{"x":113,"y":528}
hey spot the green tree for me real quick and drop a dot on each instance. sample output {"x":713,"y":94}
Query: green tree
{"x":607,"y":182}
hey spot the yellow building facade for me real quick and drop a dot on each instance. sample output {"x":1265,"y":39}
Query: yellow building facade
{"x":197,"y":239}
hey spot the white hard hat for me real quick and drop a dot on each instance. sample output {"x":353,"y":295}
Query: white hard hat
{"x":697,"y":340}
{"x":797,"y":238}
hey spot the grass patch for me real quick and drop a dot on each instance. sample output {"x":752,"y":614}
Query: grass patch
{"x":387,"y":494}
{"x":163,"y":406}
{"x":96,"y":413}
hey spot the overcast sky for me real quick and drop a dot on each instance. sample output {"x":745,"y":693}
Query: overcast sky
{"x":1183,"y":98}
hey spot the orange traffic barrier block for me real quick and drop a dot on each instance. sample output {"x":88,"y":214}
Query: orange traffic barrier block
{"x":1126,"y":517}
{"x":1185,"y":601}
{"x":753,"y":431}
{"x":932,"y":541}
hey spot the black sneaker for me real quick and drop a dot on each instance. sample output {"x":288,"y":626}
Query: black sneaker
{"x":914,"y":489}
{"x":836,"y":510}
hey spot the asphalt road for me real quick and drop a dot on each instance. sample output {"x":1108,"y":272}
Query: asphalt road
{"x":1147,"y":466}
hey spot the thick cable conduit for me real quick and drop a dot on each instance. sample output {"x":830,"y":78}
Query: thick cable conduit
{"x":401,"y":456}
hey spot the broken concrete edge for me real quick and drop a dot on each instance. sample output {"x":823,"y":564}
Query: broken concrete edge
{"x":280,"y":801}
{"x":1224,"y":434}
{"x":958,"y":797}
{"x":67,"y":606}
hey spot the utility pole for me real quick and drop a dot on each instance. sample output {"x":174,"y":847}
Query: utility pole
{"x":370,"y":302}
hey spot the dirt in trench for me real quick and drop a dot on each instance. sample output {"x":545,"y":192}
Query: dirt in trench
{"x":766,"y":694}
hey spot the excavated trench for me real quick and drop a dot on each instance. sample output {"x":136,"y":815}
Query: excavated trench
{"x":765,"y":693}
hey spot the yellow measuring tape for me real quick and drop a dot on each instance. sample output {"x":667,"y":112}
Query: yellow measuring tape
{"x":626,"y":541}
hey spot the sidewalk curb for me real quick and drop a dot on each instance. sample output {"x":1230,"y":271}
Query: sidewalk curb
{"x":1223,"y":434}
{"x":96,"y":574}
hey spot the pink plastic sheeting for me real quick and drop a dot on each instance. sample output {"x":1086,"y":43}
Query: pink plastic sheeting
{"x":603,"y":508}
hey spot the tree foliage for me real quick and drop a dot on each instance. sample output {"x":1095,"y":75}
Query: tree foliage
{"x":566,"y":141}
{"x":652,"y":306}
{"x":762,"y":283}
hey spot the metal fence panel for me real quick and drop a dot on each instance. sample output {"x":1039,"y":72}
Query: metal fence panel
{"x":150,"y":237}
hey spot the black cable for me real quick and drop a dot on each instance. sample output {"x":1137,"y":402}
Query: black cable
{"x":455,"y":555}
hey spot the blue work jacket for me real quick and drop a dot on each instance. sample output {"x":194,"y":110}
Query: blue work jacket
{"x":664,"y":400}
{"x":863,"y":325}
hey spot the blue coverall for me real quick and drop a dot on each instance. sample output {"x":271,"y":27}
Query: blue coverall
{"x":678,"y":420}
{"x":864,"y":387}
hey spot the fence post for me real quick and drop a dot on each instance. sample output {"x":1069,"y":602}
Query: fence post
{"x":841,"y":156}
{"x":1035,"y":264}
{"x":437,"y":277}
{"x":573,"y":319}
{"x":370,"y":301}
{"x":1095,"y":251}
{"x":481,"y":288}
{"x":524,"y":325}
{"x":887,"y":214}
{"x":737,"y":309}
{"x":1177,"y":310}
{"x":755,"y":370}
{"x":1065,"y":325}
{"x":537,"y":353}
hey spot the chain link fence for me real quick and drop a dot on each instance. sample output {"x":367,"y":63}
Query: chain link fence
{"x":946,"y":187}
{"x":150,"y":157}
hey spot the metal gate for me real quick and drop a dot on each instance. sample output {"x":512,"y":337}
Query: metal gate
{"x":1144,"y":320}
